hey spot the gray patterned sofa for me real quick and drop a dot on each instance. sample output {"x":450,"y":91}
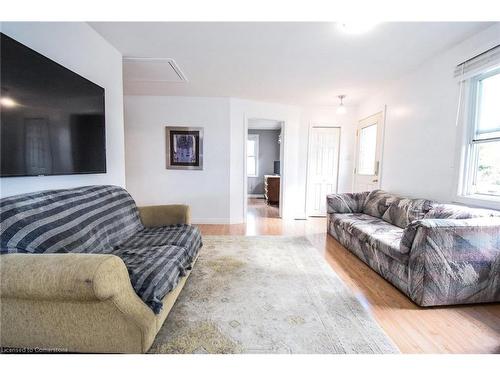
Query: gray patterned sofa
{"x":86,"y":270}
{"x":437,"y":254}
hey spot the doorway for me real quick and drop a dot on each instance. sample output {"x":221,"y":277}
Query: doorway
{"x":322,"y":168}
{"x":369,"y":136}
{"x":264,"y":183}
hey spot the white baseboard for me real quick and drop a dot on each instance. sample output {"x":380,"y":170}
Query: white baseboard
{"x":256,"y":196}
{"x":211,"y":220}
{"x":300,"y":218}
{"x":240,"y":220}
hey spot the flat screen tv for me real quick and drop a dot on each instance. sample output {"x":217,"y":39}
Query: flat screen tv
{"x":52,"y":119}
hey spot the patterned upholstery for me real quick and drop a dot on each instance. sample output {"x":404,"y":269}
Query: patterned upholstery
{"x":446,"y":254}
{"x":182,"y":235}
{"x":347,"y":203}
{"x":103,"y":220}
{"x":377,"y":202}
{"x":372,"y":232}
{"x":454,"y":211}
{"x":403,"y":211}
{"x":157,"y":258}
{"x":76,"y":220}
{"x":443,"y":211}
{"x":155,"y":270}
{"x":389,"y":268}
{"x":455,"y":261}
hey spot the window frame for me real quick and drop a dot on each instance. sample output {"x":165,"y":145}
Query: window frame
{"x":255,"y":138}
{"x":469,"y":158}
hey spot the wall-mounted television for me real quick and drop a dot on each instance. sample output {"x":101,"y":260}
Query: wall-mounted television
{"x":52,"y":120}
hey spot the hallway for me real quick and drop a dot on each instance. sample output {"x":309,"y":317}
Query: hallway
{"x":257,"y":207}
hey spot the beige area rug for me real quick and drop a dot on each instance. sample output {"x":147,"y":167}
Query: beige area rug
{"x":267,"y":294}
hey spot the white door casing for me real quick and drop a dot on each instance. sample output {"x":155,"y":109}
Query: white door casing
{"x":283,"y":146}
{"x":369,"y":143}
{"x":323,"y":165}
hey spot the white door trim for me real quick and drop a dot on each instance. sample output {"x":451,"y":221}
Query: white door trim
{"x":320,"y":125}
{"x":381,"y":139}
{"x":282,"y":163}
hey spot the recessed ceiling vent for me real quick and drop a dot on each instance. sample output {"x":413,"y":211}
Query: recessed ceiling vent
{"x":152,"y":69}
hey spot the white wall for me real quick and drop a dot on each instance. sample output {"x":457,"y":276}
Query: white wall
{"x":241,"y":110}
{"x":148,"y":180}
{"x":216,"y":194}
{"x":421,"y":132}
{"x":295,"y":134}
{"x":80,"y":48}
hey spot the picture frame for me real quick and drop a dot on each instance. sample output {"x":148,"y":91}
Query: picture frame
{"x":184,"y":146}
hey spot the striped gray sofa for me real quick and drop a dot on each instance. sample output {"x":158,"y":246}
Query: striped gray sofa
{"x":437,"y":254}
{"x":86,"y":270}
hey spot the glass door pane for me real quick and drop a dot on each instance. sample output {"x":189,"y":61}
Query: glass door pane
{"x":367,"y":150}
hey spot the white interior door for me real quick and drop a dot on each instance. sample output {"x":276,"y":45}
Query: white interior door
{"x":368,"y":153}
{"x":324,"y":143}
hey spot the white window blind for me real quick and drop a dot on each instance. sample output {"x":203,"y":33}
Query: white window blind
{"x":478,"y":64}
{"x":487,"y":111}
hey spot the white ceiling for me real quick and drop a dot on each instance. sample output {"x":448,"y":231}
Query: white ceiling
{"x":293,"y":63}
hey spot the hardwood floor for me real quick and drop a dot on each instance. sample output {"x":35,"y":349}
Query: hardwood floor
{"x":451,"y":329}
{"x":257,"y":207}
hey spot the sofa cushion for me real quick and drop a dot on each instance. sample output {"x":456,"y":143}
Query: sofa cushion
{"x":154,"y":270}
{"x":455,"y":211}
{"x":405,"y":210}
{"x":347,"y":203}
{"x":379,"y":234}
{"x":157,"y":257}
{"x":81,"y":219}
{"x":183,"y":235}
{"x":377,"y":202}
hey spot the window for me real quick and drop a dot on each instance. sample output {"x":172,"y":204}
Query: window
{"x":253,"y":155}
{"x":367,"y":150}
{"x":482,"y":160}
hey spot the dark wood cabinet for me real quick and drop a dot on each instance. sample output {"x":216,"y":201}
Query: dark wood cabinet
{"x":272,"y":189}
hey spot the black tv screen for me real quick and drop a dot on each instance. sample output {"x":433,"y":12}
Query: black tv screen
{"x":52,"y":119}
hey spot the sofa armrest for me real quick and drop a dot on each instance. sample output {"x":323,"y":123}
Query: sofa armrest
{"x":455,"y":261}
{"x":80,"y":277}
{"x":459,"y":225}
{"x":345,"y":203}
{"x":159,"y":216}
{"x":78,"y":302}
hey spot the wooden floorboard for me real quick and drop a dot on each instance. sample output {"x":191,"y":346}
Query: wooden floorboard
{"x":450,"y":329}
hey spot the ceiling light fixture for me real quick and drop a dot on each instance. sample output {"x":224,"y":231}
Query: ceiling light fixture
{"x":7,"y":102}
{"x":341,"y":108}
{"x":356,"y":27}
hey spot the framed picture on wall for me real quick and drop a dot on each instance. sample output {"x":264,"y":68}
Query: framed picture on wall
{"x":184,"y":147}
